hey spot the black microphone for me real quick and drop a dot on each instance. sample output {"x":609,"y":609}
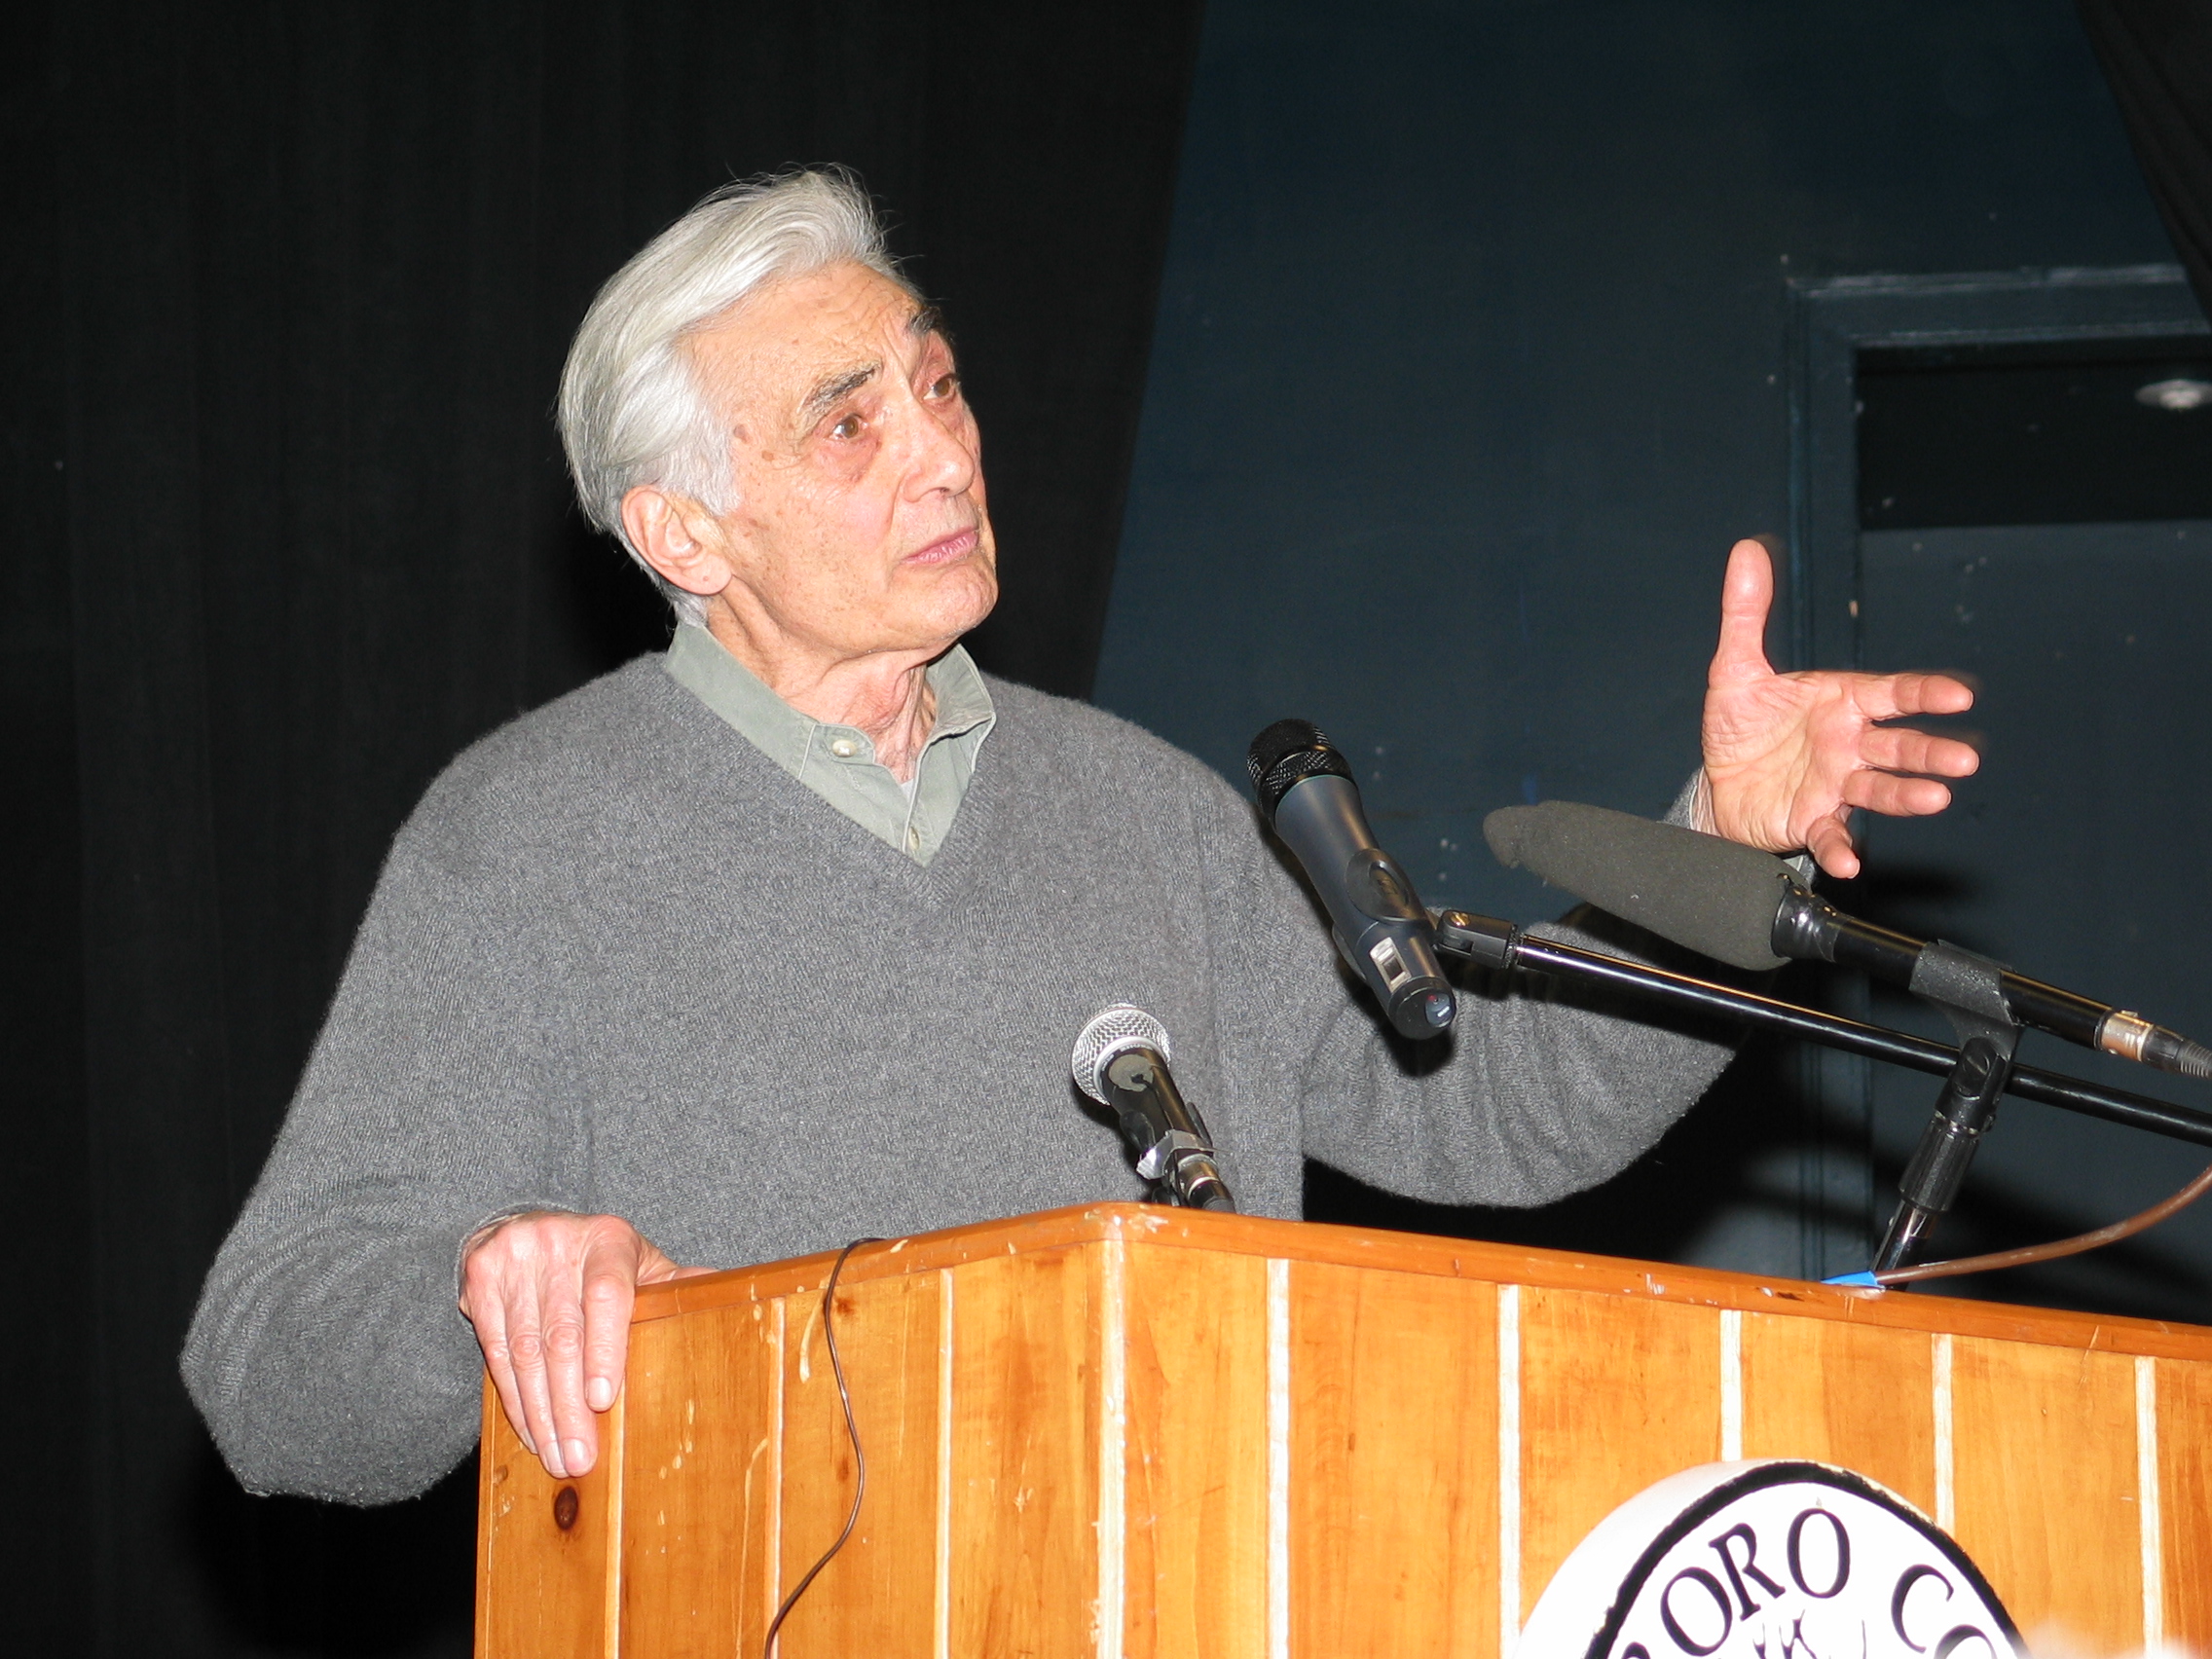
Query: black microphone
{"x":1307,"y":795}
{"x":1747,"y":908}
{"x":1121,"y":1061}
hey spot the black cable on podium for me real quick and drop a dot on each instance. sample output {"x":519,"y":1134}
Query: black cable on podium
{"x":852,"y":1433}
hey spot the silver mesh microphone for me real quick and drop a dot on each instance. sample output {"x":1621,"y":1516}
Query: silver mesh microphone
{"x":1121,"y":1061}
{"x":1114,"y":1031}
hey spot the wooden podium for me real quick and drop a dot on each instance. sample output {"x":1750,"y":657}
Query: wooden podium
{"x":1136,"y":1431}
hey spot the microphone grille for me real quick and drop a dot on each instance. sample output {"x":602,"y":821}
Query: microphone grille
{"x":1113,"y":1032}
{"x":1287,"y":754}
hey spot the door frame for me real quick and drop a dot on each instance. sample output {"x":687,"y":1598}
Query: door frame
{"x":1831,"y":320}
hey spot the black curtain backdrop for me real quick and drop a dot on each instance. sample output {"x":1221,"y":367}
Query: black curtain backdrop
{"x":283,"y":293}
{"x":2158,"y":56}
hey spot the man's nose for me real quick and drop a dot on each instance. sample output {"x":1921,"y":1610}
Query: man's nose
{"x":943,"y":453}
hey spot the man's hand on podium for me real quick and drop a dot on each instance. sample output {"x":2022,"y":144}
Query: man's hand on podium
{"x":549,"y":1294}
{"x":1788,"y":756}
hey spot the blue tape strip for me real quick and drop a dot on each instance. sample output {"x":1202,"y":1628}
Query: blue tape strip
{"x":1862,"y":1281}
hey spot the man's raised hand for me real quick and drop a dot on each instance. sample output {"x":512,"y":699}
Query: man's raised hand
{"x":549,"y":1294}
{"x":1789,"y":755}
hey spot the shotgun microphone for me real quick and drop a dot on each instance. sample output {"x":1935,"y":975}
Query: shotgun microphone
{"x":1747,"y":908}
{"x":1309,"y":798}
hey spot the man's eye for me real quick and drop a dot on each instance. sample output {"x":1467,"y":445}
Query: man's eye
{"x":944,"y":387}
{"x":848,"y":428}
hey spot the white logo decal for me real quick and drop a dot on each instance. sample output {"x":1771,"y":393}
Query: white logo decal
{"x":1768,"y":1560}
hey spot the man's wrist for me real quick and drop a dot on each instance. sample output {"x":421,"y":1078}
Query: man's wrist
{"x":1701,"y":805}
{"x":483,"y":1230}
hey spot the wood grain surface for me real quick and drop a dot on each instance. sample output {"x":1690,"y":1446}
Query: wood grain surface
{"x":2185,"y":1500}
{"x":548,"y":1559}
{"x":705,"y":1462}
{"x":1615,"y":1394}
{"x":1450,"y":1258}
{"x":2044,"y":1443}
{"x":1073,"y":1447}
{"x":1393,"y":1459}
{"x":1195,"y":1464}
{"x":1861,"y":1396}
{"x":878,"y":1593}
{"x":1025,"y":1460}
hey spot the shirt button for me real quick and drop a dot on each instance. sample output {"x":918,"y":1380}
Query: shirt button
{"x":913,"y":839}
{"x":844,"y":747}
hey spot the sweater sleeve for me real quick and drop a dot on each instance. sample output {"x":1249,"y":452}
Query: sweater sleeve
{"x":327,"y":1354}
{"x":1541,"y":1088}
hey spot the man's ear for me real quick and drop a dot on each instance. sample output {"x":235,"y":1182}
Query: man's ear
{"x":677,"y":537}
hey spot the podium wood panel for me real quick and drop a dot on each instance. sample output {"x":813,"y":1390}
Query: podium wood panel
{"x":1025,"y":1533}
{"x":549,"y":1546}
{"x":1147,"y":1434}
{"x":1615,"y":1394}
{"x":1393,"y":1452}
{"x":878,"y":1593}
{"x":699,"y":1539}
{"x":1194,"y":1476}
{"x":2184,"y":1397}
{"x":2043,"y":1443}
{"x":1857,"y":1395}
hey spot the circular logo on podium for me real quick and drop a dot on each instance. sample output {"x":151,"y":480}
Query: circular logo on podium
{"x":1772,"y":1560}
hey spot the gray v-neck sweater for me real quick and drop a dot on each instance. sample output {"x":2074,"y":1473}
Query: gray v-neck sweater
{"x":619,"y":961}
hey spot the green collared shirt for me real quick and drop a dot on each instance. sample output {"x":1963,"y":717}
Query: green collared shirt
{"x":838,"y":762}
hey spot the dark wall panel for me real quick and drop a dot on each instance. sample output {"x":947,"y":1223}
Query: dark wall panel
{"x":1471,"y":363}
{"x":41,"y":1053}
{"x":2088,"y":641}
{"x":1470,"y":358}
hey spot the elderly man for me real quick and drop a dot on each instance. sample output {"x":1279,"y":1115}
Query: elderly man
{"x":782,"y":938}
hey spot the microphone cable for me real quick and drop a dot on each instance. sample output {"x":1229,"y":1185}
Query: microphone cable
{"x":2029,"y":1254}
{"x":852,"y":1433}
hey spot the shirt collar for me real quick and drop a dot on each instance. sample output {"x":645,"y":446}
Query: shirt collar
{"x":963,"y":700}
{"x":704,"y":666}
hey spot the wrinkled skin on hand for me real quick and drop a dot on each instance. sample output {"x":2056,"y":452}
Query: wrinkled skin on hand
{"x":1788,"y":756}
{"x":550,"y":1296}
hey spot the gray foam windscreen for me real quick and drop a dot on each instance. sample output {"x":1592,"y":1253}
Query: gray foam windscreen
{"x":1711,"y":896}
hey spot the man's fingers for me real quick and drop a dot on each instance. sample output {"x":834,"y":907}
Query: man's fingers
{"x":575,"y":1431}
{"x":1829,"y":843}
{"x":490,"y":1317}
{"x":1747,"y":594}
{"x":1885,"y":696}
{"x":526,"y":1348}
{"x":1900,"y":748}
{"x":1896,"y":796}
{"x":654,"y":1267}
{"x":551,"y":1295}
{"x":611,"y":1279}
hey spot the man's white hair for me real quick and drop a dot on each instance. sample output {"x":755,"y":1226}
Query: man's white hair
{"x":632,"y":409}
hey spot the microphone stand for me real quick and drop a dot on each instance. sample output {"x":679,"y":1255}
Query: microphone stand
{"x":1970,"y":989}
{"x":1976,"y":1074}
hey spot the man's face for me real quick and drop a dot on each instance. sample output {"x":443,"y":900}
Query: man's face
{"x":860,"y":524}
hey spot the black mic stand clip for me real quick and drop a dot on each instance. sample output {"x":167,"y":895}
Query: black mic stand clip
{"x":1970,"y":991}
{"x":1174,"y":1150}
